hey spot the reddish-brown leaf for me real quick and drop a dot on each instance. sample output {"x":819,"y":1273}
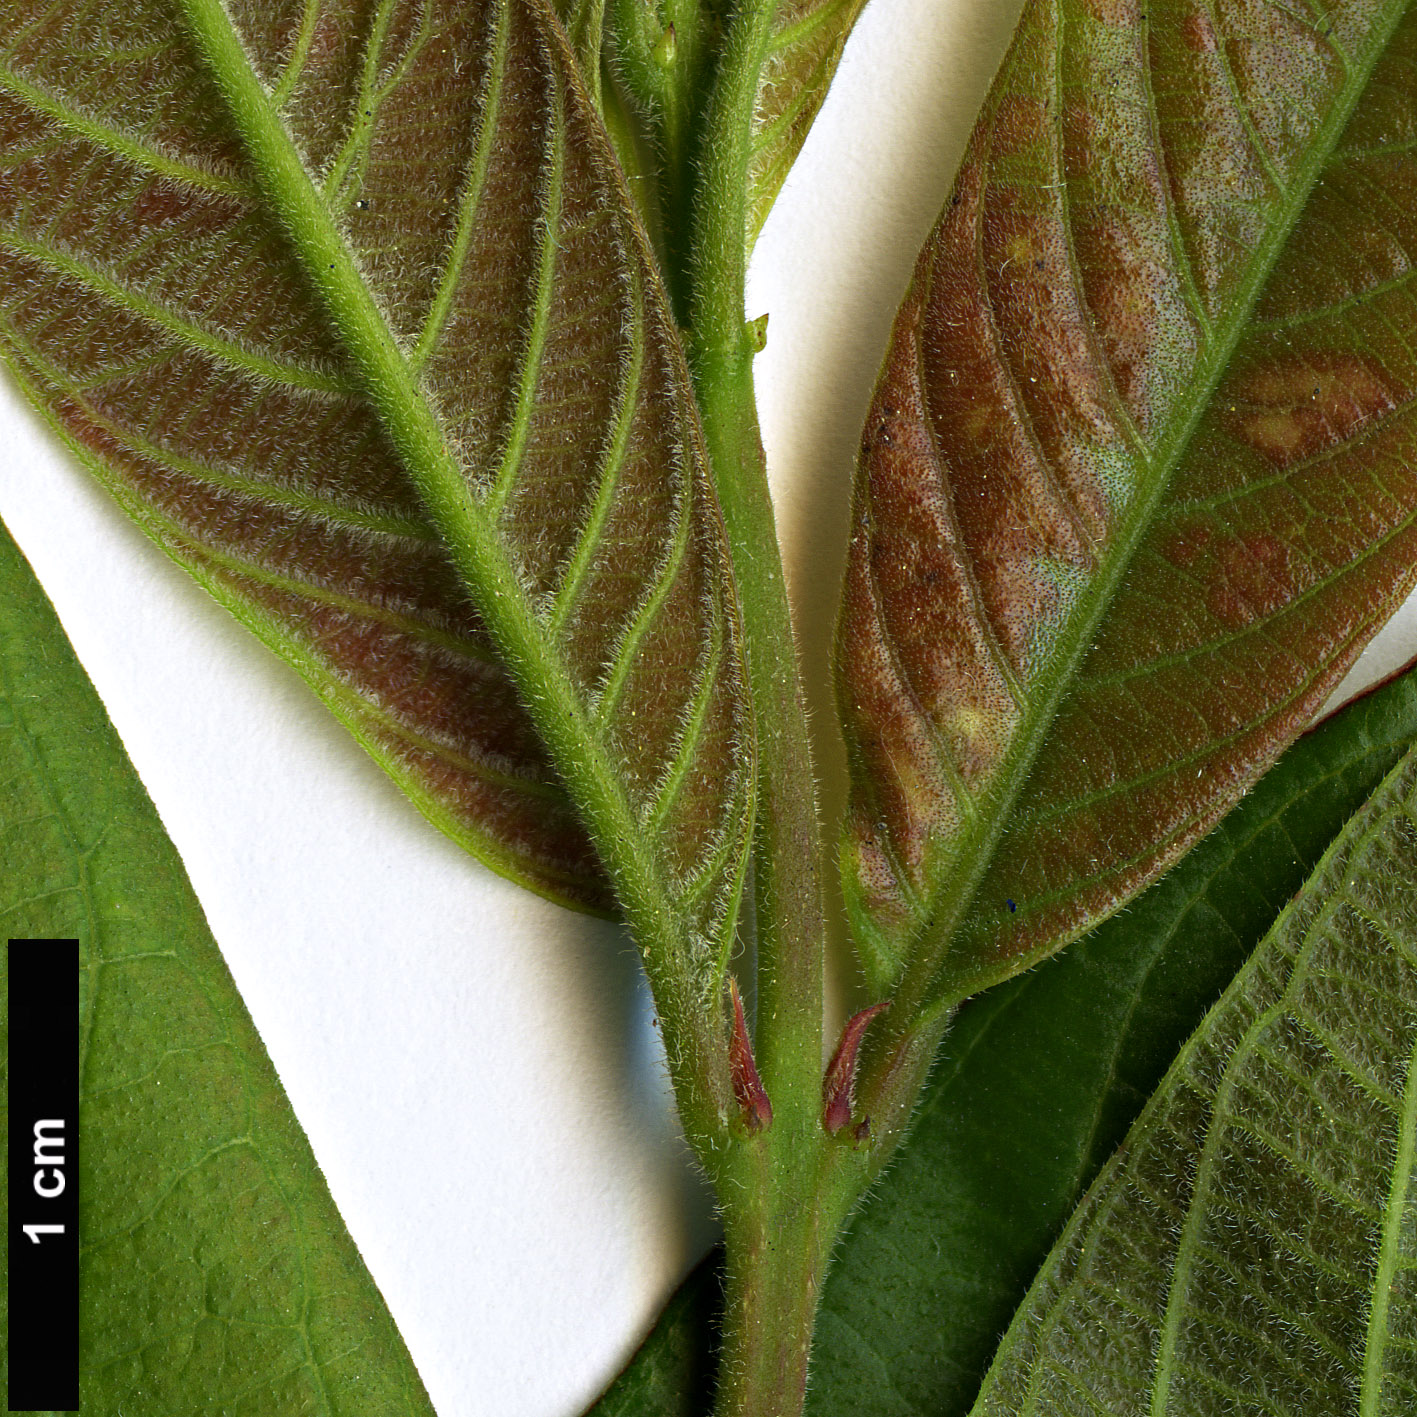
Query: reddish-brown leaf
{"x":155,"y":303}
{"x":1139,"y":479}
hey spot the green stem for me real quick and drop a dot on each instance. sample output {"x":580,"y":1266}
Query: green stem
{"x":778,"y":1246}
{"x":787,"y":883}
{"x":789,"y":850}
{"x":785,"y":1194}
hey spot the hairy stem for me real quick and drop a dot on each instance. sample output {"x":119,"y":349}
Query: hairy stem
{"x":788,"y":850}
{"x":778,"y":1246}
{"x":785,"y":1199}
{"x":788,"y":858}
{"x":785,"y":1190}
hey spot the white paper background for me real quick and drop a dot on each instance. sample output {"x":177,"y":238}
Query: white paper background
{"x":475,"y":1068}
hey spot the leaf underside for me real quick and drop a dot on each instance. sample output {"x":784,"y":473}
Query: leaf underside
{"x":805,"y":46}
{"x":1138,"y":480}
{"x":1040,"y":1078}
{"x":215,"y":1272}
{"x":160,"y":305}
{"x":1253,"y":1247}
{"x":1038,"y":1082}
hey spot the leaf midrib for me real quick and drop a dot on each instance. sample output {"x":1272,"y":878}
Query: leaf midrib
{"x":973,"y":851}
{"x":1404,"y":1163}
{"x":390,"y":384}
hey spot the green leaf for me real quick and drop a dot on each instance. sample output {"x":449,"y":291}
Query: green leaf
{"x":215,"y":1271}
{"x":1137,"y":483}
{"x":672,"y":1374}
{"x":804,"y":48}
{"x":1038,"y":1082}
{"x":350,"y":309}
{"x":1253,"y":1246}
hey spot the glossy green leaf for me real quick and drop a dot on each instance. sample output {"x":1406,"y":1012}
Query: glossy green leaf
{"x":215,"y":1273}
{"x":1253,"y":1246}
{"x":347,"y":304}
{"x":1138,"y":479}
{"x":1038,"y":1081}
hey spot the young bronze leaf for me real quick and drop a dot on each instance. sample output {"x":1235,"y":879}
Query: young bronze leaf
{"x":151,"y":305}
{"x":1252,"y":1246}
{"x":347,"y":303}
{"x":1138,"y":481}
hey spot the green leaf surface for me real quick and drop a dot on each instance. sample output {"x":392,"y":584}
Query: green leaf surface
{"x":347,"y":303}
{"x":215,"y":1272}
{"x":672,"y":1374}
{"x":804,"y":48}
{"x":1037,"y":1083}
{"x":1252,"y":1248}
{"x":1138,"y":479}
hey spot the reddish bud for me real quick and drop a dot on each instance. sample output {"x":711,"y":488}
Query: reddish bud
{"x":747,"y":1085}
{"x":839,"y":1084}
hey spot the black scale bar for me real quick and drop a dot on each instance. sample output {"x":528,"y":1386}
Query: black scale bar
{"x":44,"y":1175}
